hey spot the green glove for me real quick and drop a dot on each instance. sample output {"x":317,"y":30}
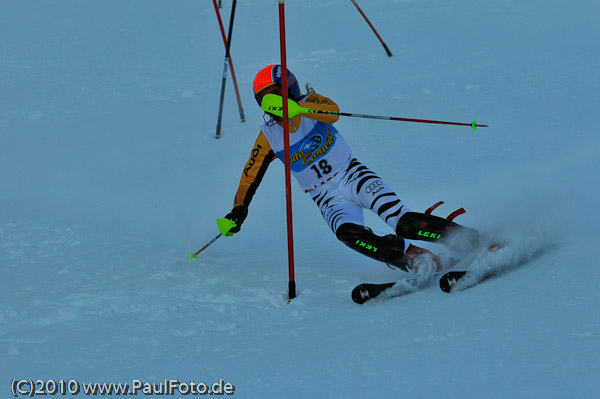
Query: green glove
{"x":273,"y":104}
{"x":232,"y":222}
{"x":225,"y":226}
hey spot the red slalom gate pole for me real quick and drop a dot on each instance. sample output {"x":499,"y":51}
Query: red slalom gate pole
{"x":286,"y":140}
{"x":387,"y":50}
{"x":235,"y":85}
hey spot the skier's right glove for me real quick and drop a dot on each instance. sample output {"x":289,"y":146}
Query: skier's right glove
{"x":237,"y":215}
{"x":273,"y":104}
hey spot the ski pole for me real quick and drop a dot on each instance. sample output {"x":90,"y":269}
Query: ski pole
{"x":387,"y":50}
{"x":273,"y":104}
{"x":194,"y":255}
{"x":224,"y":225}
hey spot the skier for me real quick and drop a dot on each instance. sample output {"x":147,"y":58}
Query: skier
{"x":341,"y":186}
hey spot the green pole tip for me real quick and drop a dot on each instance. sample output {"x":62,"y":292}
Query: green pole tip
{"x":192,"y":257}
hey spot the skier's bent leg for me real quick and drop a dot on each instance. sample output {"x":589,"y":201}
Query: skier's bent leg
{"x":422,"y":226}
{"x":389,"y":248}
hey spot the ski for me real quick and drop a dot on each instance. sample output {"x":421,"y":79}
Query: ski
{"x":363,"y":292}
{"x":494,"y":260}
{"x":448,"y":280}
{"x":458,"y":280}
{"x":367,"y":291}
{"x":480,"y":268}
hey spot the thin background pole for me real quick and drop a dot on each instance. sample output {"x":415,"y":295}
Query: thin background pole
{"x":225,"y":66}
{"x":387,"y":50}
{"x":235,"y":85}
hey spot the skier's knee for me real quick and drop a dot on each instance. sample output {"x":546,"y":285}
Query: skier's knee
{"x":388,"y":249}
{"x":355,"y":235}
{"x":347,"y":231}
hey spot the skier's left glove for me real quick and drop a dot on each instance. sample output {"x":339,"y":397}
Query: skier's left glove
{"x":237,"y":216}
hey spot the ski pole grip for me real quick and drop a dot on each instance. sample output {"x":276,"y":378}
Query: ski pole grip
{"x":225,"y":225}
{"x":273,"y":104}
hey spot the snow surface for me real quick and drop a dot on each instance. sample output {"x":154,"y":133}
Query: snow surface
{"x":111,"y":176}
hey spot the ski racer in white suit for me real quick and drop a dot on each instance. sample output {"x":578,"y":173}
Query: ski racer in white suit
{"x":341,"y":186}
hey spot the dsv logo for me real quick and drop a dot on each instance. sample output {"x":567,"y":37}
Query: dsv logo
{"x":375,"y":187}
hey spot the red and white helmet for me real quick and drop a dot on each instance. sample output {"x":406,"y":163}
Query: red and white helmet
{"x":271,"y":75}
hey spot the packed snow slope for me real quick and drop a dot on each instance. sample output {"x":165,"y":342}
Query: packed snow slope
{"x":110,"y":175}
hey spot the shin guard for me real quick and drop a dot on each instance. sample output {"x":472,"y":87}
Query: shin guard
{"x":422,"y":226}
